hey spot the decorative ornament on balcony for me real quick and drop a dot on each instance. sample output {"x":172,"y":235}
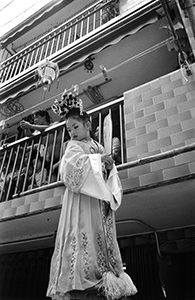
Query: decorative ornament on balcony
{"x":47,"y":73}
{"x":11,"y":108}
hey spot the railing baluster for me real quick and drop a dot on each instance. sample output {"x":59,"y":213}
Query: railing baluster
{"x":16,"y":69}
{"x":46,"y":46}
{"x":40,"y":56}
{"x":52,"y":154}
{"x":43,"y":53}
{"x":78,"y":33}
{"x":12,"y":181}
{"x":87,"y":27}
{"x":97,"y":19}
{"x":12,"y":67}
{"x":1,"y":75}
{"x":93,"y":22}
{"x":22,"y":62}
{"x":7,"y":180}
{"x":52,"y":45}
{"x":121,"y":132}
{"x":100,"y":127}
{"x":35,"y":164}
{"x":31,"y":59}
{"x":69,"y":36}
{"x":72,"y":34}
{"x":27,"y":58}
{"x":19,"y":177}
{"x":101,"y":17}
{"x":63,"y":38}
{"x":55,"y":42}
{"x":58,"y":42}
{"x":36,"y":55}
{"x":81,"y":29}
{"x":1,"y":172}
{"x":61,"y":148}
{"x":29,"y":163}
{"x":5,"y":75}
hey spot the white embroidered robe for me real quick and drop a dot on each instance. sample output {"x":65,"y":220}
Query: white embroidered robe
{"x":86,"y":253}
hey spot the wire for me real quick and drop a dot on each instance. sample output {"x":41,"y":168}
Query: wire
{"x":143,"y":53}
{"x":6,"y":5}
{"x":23,"y":12}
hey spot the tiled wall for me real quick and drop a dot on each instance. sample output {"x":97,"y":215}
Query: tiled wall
{"x":34,"y":203}
{"x":160,"y":116}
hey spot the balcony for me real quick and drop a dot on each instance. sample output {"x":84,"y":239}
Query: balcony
{"x":60,"y":39}
{"x":98,"y":24}
{"x":20,"y":158}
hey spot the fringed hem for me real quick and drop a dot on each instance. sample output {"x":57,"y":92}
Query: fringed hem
{"x":116,"y":287}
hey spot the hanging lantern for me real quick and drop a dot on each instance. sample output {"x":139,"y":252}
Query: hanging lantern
{"x":47,"y":73}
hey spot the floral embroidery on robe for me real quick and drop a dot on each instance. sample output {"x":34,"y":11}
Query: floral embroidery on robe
{"x":86,"y":254}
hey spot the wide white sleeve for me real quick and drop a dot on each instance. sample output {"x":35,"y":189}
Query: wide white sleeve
{"x":95,"y":185}
{"x":74,"y":167}
{"x":82,"y":173}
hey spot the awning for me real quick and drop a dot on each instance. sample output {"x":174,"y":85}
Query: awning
{"x":30,"y":21}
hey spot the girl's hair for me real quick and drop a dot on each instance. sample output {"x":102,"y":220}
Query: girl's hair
{"x":75,"y":113}
{"x":43,"y":113}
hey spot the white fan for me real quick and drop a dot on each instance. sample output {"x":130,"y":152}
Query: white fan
{"x":107,"y":134}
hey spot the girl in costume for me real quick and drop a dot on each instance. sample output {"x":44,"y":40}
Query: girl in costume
{"x":86,"y":254}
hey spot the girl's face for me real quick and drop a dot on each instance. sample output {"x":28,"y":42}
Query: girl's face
{"x":77,"y":129}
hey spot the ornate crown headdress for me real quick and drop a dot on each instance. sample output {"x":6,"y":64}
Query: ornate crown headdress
{"x":67,"y":102}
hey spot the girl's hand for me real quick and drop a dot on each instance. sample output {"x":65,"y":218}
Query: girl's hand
{"x":108,"y":160}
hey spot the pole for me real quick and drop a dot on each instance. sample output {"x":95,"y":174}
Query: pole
{"x":176,"y":39}
{"x":190,"y":10}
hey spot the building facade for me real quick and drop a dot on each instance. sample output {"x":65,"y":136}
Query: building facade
{"x":125,"y":59}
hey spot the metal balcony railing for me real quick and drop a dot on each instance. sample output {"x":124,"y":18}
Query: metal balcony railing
{"x":60,"y":38}
{"x":32,"y":163}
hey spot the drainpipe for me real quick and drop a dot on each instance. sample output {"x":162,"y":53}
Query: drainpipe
{"x":176,"y":39}
{"x":190,"y":10}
